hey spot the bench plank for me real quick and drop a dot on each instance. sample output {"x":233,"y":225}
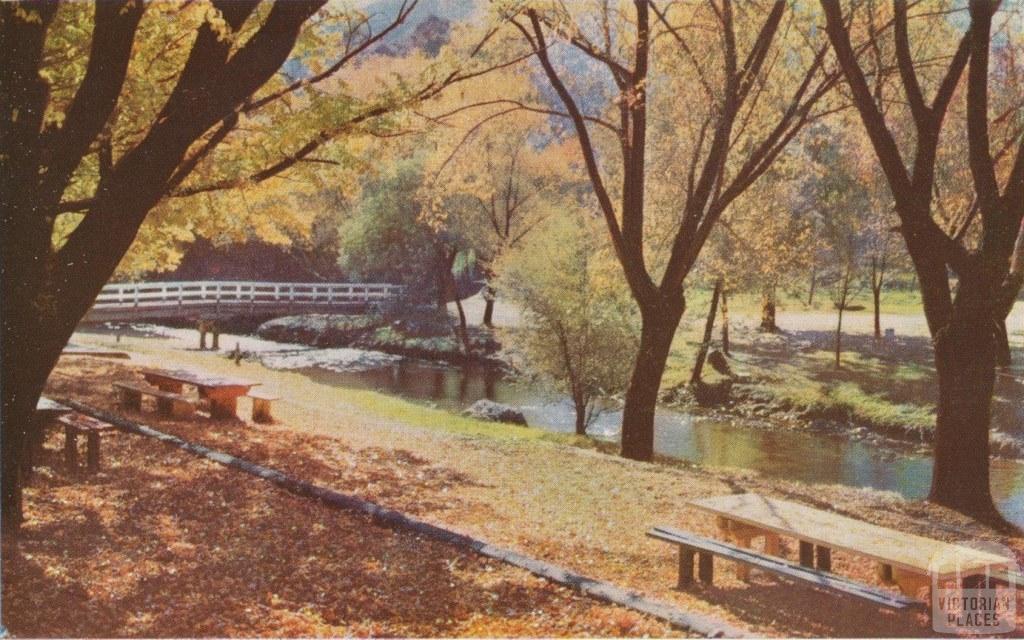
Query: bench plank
{"x":167,"y":403}
{"x":261,"y":404}
{"x":816,"y":578}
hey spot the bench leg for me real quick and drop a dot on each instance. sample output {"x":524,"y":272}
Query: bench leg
{"x":685,"y":567}
{"x":224,"y":407}
{"x":911,"y":584}
{"x":772,"y":544}
{"x":884,"y":573}
{"x":261,"y":411}
{"x":165,"y":406}
{"x":181,"y":409}
{"x":824,"y":558}
{"x":71,"y":448}
{"x":806,"y":554}
{"x":979,"y":581}
{"x":93,"y":451}
{"x":130,"y":399}
{"x":705,"y":567}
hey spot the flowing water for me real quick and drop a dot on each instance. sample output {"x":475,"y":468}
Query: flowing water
{"x":794,"y":455}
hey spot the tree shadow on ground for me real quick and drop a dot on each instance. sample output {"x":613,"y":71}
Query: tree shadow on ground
{"x":166,"y":545}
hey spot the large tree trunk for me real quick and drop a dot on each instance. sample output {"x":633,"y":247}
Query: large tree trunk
{"x":768,"y":310}
{"x":658,"y":326}
{"x":965,"y":361}
{"x":33,"y":338}
{"x":709,"y":327}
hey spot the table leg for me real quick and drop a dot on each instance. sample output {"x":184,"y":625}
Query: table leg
{"x":71,"y":447}
{"x":741,"y":535}
{"x":823,"y":557}
{"x":911,"y":584}
{"x":806,"y":554}
{"x":705,"y":567}
{"x":884,"y":572}
{"x":224,"y":407}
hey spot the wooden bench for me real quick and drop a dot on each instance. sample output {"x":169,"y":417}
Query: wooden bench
{"x":261,"y":400}
{"x":705,"y":549}
{"x":76,"y":424}
{"x":167,"y":403}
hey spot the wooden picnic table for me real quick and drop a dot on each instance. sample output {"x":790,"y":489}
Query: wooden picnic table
{"x":221,"y":391}
{"x":910,"y":561}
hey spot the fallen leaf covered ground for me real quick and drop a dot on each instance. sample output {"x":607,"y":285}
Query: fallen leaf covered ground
{"x":161,"y":543}
{"x":217,"y":529}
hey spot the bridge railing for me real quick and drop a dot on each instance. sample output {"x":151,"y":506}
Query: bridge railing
{"x":205,"y":293}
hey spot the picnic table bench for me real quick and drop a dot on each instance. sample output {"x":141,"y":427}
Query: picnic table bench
{"x":168,"y":403}
{"x":705,"y":549}
{"x":222,"y":391}
{"x":261,"y":399}
{"x":911,"y":562}
{"x":76,"y":424}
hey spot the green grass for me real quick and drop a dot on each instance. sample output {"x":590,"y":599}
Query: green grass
{"x":900,"y":302}
{"x":400,"y":410}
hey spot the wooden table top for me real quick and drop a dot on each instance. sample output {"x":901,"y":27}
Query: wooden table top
{"x":199,"y":379}
{"x":909,"y":552}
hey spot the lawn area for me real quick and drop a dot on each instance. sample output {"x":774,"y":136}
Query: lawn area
{"x":894,"y":301}
{"x":578,"y":508}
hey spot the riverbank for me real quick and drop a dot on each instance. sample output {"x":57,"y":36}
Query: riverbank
{"x":884,"y":392}
{"x":536,"y":492}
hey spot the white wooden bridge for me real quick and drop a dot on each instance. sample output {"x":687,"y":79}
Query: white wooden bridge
{"x":184,"y":300}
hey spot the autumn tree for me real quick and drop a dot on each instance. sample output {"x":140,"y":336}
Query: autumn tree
{"x":754,"y":82}
{"x":108,"y":110}
{"x":496,"y":183}
{"x":962,"y":316}
{"x":579,"y":316}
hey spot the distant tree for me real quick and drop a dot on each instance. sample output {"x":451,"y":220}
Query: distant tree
{"x":580,"y":322}
{"x":495,"y":185}
{"x":389,"y":238}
